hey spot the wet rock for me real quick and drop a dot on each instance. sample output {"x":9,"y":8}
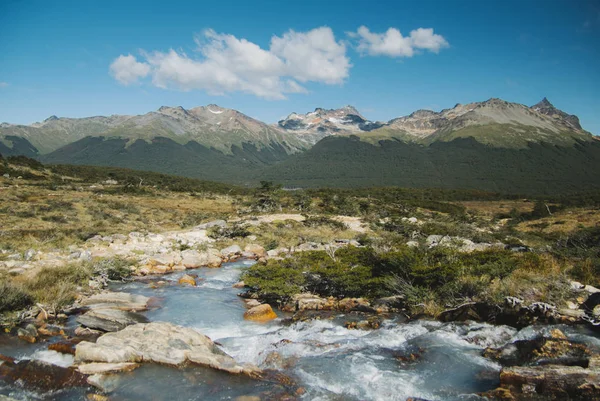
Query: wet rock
{"x":41,"y":375}
{"x":551,"y":382}
{"x":96,"y":397}
{"x":239,"y":284}
{"x":251,"y":303}
{"x":87,"y":332}
{"x":260,"y":313}
{"x":64,"y":347}
{"x":556,"y":350}
{"x":117,"y":300}
{"x":28,"y":333}
{"x":307,"y":301}
{"x":187,"y":280}
{"x":110,"y":319}
{"x":50,"y":330}
{"x":355,"y":304}
{"x":103,"y":368}
{"x":394,"y":303}
{"x":105,"y":383}
{"x":159,"y":342}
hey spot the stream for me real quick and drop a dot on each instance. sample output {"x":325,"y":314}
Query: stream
{"x":426,"y":359}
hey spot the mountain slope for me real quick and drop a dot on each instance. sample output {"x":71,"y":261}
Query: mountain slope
{"x":461,"y":163}
{"x":211,"y":126}
{"x":494,"y":122}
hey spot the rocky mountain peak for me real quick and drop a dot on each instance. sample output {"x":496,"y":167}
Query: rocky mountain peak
{"x":51,"y":118}
{"x":543,"y":104}
{"x":547,"y":108}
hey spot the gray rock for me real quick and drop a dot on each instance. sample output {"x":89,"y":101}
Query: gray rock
{"x":214,"y":223}
{"x":159,"y":342}
{"x":110,"y":319}
{"x":117,"y":300}
{"x":232,"y":250}
{"x":29,"y":254}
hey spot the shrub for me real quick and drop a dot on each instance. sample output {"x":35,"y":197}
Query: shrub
{"x":13,"y":296}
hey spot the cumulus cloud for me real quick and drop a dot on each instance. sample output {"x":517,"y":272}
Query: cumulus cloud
{"x":223,"y":63}
{"x":393,"y":44}
{"x":127,"y":70}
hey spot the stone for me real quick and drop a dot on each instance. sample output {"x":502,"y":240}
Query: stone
{"x":29,"y":254}
{"x":64,"y":347}
{"x":87,"y":332}
{"x":260,"y":313}
{"x":41,"y":375}
{"x":187,"y":280}
{"x":106,"y":383}
{"x":214,"y":258}
{"x":96,"y":397}
{"x":239,"y":284}
{"x":258,"y":250}
{"x":159,"y":342}
{"x":28,"y":333}
{"x":214,"y":223}
{"x":231,"y":251}
{"x":251,"y":303}
{"x":117,"y":300}
{"x":192,"y":259}
{"x":103,"y":368}
{"x":110,"y":319}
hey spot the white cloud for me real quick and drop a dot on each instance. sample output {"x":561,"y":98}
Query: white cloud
{"x":223,"y":63}
{"x":393,"y":44}
{"x":3,"y":84}
{"x":127,"y":70}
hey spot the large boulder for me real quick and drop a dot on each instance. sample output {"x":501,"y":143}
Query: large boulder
{"x":231,"y":251}
{"x":187,"y":280}
{"x":255,"y":249}
{"x":192,"y":259}
{"x":260,"y":313}
{"x":40,"y":375}
{"x":159,"y":342}
{"x":110,"y":319}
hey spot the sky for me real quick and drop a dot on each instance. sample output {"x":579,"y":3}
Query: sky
{"x":270,"y":58}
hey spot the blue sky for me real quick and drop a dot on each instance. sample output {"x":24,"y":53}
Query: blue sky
{"x":270,"y":58}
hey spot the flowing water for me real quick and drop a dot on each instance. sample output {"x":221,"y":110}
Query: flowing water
{"x":424,"y":359}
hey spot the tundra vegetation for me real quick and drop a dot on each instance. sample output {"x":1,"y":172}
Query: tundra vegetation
{"x":438,"y":248}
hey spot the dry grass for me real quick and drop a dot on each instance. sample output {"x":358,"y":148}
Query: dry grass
{"x":35,"y":217}
{"x":492,"y":208}
{"x":564,"y":221}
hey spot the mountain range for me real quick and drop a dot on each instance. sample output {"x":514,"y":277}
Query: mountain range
{"x":487,"y":145}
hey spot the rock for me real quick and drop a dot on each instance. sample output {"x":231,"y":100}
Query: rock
{"x":355,"y":304}
{"x":41,"y":375}
{"x":187,"y":280}
{"x":105,"y":383}
{"x":260,"y":313}
{"x":87,"y":332}
{"x":477,"y":311}
{"x":29,"y":254}
{"x":258,"y":250}
{"x":231,"y":251}
{"x":159,"y":342}
{"x":64,"y":347}
{"x":103,"y":368}
{"x":272,"y":252}
{"x":50,"y":330}
{"x":550,"y":382}
{"x":29,"y":333}
{"x":214,"y":223}
{"x":110,"y":319}
{"x":192,"y":259}
{"x":117,"y":300}
{"x":239,"y":284}
{"x":556,"y":350}
{"x":395,"y":303}
{"x":307,"y":301}
{"x":96,"y":397}
{"x":251,"y":303}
